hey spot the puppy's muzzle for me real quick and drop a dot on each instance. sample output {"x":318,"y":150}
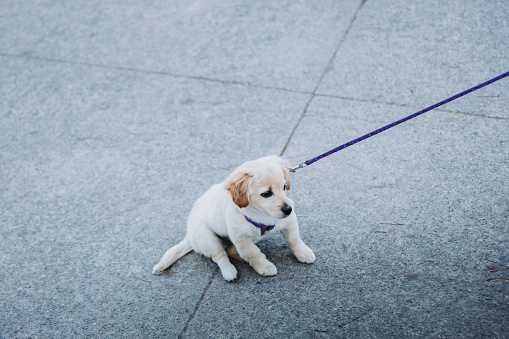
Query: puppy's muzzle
{"x":286,"y":210}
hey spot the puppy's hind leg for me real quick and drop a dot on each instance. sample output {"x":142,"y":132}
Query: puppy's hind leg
{"x":210,"y":246}
{"x":233,"y":253}
{"x":172,"y":255}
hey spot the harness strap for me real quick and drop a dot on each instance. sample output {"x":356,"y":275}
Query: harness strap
{"x":263,"y":228}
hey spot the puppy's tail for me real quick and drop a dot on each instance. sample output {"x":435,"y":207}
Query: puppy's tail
{"x":172,"y":255}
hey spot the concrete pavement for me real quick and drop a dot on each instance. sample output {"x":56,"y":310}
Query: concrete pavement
{"x":116,"y":116}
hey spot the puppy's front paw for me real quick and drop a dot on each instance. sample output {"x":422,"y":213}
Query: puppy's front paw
{"x":305,"y":255}
{"x":266,"y":269}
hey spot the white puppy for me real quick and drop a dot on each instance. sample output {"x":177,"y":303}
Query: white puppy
{"x":251,"y":204}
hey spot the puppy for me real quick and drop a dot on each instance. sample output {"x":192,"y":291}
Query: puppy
{"x":250,"y":205}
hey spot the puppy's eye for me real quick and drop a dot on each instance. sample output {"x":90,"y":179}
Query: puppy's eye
{"x":267,"y":194}
{"x":284,"y":187}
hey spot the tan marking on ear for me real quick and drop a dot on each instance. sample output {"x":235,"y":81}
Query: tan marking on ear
{"x":287,"y":177}
{"x":239,"y":187}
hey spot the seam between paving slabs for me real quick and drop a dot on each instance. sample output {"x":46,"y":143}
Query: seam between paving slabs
{"x":313,"y":94}
{"x":184,"y":330}
{"x":240,"y":83}
{"x":191,"y":317}
{"x":327,"y":69}
{"x":146,"y":71}
{"x":409,"y":106}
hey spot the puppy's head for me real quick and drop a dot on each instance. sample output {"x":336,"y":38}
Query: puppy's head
{"x":261,"y":184}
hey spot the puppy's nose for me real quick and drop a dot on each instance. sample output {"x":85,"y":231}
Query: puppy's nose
{"x":286,"y":209}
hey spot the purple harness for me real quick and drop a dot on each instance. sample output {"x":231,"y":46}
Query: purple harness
{"x":263,"y":228}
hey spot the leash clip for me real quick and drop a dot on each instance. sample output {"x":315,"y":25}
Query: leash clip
{"x":301,"y":165}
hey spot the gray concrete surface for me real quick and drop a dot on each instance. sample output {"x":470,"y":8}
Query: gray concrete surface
{"x":115,"y":116}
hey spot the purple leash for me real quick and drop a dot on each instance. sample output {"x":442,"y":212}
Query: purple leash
{"x":380,"y":130}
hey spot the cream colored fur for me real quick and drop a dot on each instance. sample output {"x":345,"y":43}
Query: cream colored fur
{"x":220,"y":212}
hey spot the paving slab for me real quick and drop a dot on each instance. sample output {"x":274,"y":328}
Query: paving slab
{"x":422,"y":52}
{"x":283,"y":44}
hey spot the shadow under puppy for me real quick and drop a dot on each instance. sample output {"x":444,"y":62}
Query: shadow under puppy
{"x":250,"y":205}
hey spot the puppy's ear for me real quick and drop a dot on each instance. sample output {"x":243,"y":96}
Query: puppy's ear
{"x":238,"y":185}
{"x":287,"y":176}
{"x":285,"y":166}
